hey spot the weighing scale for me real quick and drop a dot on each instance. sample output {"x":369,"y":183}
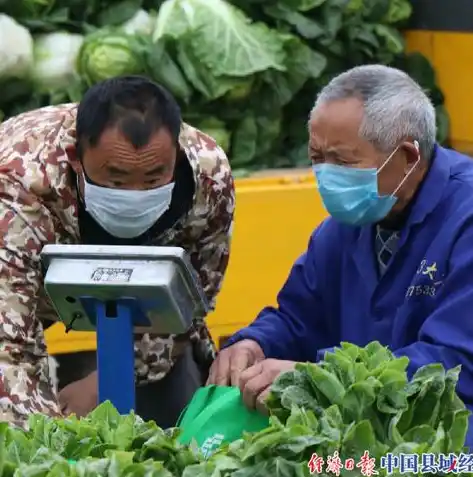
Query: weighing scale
{"x":119,"y":291}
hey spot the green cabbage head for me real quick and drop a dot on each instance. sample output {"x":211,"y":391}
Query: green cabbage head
{"x":104,"y":55}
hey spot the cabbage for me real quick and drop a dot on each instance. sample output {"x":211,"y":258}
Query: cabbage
{"x":215,"y":128}
{"x":16,"y":49}
{"x":216,"y":44}
{"x":55,"y":60}
{"x":242,"y":90}
{"x":141,"y":22}
{"x":107,"y":54}
{"x":221,"y":37}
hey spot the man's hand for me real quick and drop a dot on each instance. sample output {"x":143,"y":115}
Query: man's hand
{"x":80,"y":397}
{"x":255,"y":382}
{"x":232,"y":361}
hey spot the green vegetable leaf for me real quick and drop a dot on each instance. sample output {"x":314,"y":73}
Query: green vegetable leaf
{"x":392,"y":396}
{"x":306,"y":27}
{"x":423,"y":434}
{"x":457,"y":426}
{"x":328,"y":384}
{"x":419,"y":68}
{"x":201,"y":78}
{"x":357,"y":438}
{"x":118,"y":12}
{"x":357,"y":399}
{"x":106,"y":54}
{"x":399,"y":11}
{"x":221,"y":37}
{"x":391,"y":38}
{"x":302,"y":63}
{"x":342,"y":366}
{"x":244,"y":142}
{"x":164,"y":70}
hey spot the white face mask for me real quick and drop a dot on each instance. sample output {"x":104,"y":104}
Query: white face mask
{"x":126,"y":213}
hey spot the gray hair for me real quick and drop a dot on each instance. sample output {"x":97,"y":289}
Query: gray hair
{"x":395,"y":106}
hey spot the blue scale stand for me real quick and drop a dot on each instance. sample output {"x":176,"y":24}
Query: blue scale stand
{"x":116,"y":357}
{"x":114,"y":323}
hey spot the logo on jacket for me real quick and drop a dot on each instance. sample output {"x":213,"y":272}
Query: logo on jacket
{"x":430,"y":270}
{"x":429,"y":285}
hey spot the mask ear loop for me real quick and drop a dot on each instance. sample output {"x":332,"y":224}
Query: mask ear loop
{"x":416,"y":145}
{"x":387,"y":159}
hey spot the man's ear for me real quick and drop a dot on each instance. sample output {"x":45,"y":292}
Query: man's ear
{"x":74,"y":161}
{"x":412,"y":153}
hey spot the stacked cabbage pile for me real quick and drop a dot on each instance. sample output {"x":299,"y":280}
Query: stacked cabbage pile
{"x":245,"y":71}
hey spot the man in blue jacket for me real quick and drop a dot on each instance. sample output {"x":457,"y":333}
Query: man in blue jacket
{"x":394,"y":262}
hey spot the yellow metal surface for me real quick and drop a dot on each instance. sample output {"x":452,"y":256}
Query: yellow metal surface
{"x":275,"y":214}
{"x":452,"y":57}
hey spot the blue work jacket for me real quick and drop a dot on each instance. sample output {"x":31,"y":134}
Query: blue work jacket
{"x":421,"y":307}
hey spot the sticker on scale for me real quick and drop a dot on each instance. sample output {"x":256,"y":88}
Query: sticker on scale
{"x":108,"y":275}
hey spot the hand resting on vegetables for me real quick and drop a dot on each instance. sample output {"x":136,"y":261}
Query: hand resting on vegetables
{"x":244,"y":365}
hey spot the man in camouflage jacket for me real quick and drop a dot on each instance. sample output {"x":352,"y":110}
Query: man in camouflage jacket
{"x":125,"y":135}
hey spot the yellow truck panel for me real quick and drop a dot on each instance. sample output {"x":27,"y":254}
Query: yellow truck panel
{"x":275,"y":214}
{"x":451,"y":54}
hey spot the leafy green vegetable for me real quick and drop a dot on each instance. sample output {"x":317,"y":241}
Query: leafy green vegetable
{"x":107,"y":54}
{"x":361,"y":398}
{"x":221,"y":37}
{"x":355,"y":399}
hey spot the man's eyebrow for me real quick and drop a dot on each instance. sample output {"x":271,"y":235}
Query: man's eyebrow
{"x":340,"y":148}
{"x":320,"y":150}
{"x":156,"y":170}
{"x":117,"y":171}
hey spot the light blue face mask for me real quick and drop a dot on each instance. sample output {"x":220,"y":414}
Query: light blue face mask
{"x":351,"y":195}
{"x":127,"y":213}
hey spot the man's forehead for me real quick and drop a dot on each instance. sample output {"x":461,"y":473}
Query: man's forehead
{"x":113,"y":137}
{"x":336,"y":124}
{"x":345,"y":112}
{"x":117,"y":154}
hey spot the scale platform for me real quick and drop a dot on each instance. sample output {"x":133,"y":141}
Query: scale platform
{"x":120,"y":291}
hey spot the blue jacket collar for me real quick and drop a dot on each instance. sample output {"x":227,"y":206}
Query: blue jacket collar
{"x":432,"y":188}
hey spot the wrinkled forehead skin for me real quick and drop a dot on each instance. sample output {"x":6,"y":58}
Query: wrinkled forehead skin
{"x":115,"y":162}
{"x":334,"y":132}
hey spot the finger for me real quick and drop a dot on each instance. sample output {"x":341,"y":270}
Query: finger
{"x":221,"y":373}
{"x":254,"y":387}
{"x":261,"y":401}
{"x":63,"y":398}
{"x":239,"y":362}
{"x":212,"y":373}
{"x":249,"y":373}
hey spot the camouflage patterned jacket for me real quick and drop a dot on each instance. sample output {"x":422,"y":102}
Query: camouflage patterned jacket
{"x":38,"y":205}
